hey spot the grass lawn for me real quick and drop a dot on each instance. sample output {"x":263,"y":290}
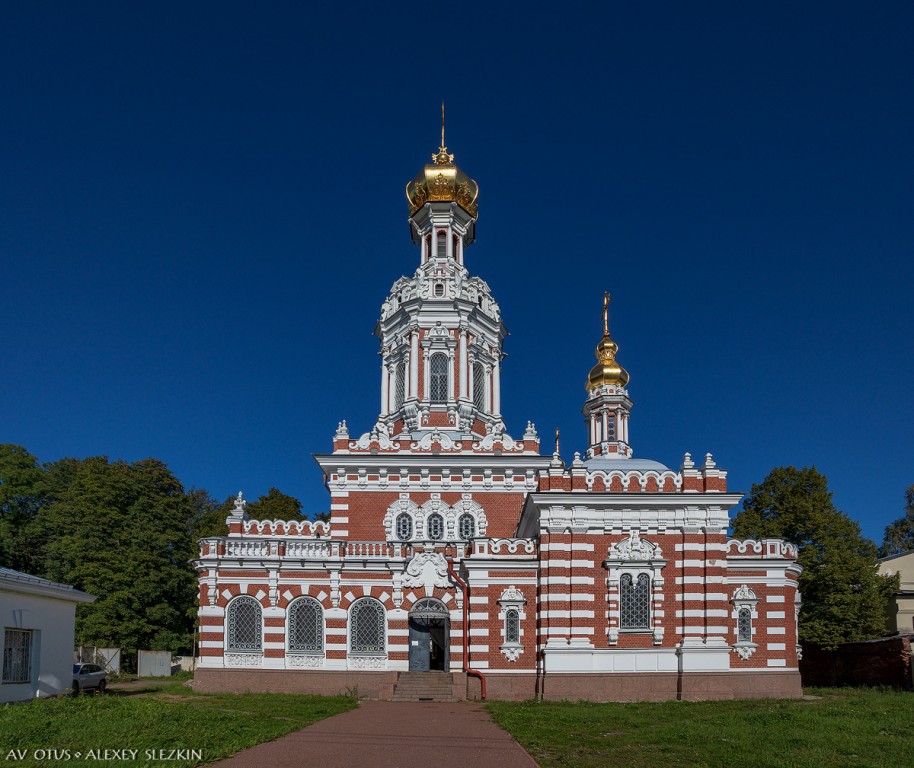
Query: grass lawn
{"x":161,"y":717}
{"x":844,"y":728}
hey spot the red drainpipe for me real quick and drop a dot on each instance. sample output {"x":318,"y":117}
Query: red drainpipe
{"x":466,"y":629}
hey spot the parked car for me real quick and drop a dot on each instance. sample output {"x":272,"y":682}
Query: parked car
{"x":89,"y":676}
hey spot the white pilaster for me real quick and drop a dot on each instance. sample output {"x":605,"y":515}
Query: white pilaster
{"x":496,"y":388}
{"x":414,"y":361}
{"x":385,"y":389}
{"x":464,"y":394}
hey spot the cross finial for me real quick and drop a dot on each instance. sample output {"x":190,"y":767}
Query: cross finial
{"x":556,"y":439}
{"x":442,"y":124}
{"x":606,"y":313}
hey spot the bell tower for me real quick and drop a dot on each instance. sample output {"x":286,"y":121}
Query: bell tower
{"x":440,"y":331}
{"x":608,"y":405}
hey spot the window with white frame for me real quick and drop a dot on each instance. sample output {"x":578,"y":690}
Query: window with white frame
{"x":306,"y":626}
{"x":438,"y":378}
{"x":634,"y":588}
{"x":744,"y":602}
{"x":634,"y":601}
{"x":511,"y":612}
{"x":466,"y":527}
{"x":479,"y":387}
{"x":400,"y":386}
{"x":245,"y":625}
{"x":367,"y":627}
{"x":17,"y":656}
{"x":434,"y":527}
{"x":404,"y":526}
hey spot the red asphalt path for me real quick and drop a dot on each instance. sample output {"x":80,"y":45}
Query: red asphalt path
{"x":393,"y":734}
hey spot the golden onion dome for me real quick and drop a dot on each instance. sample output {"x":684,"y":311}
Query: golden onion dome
{"x":607,"y":370}
{"x":442,"y":180}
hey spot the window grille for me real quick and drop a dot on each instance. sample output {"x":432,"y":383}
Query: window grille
{"x":435,"y":527}
{"x":611,"y":426}
{"x":17,"y":656}
{"x":512,"y":626}
{"x":439,"y":378}
{"x":744,"y":626}
{"x":367,"y":627}
{"x":466,"y":527}
{"x":479,"y":386}
{"x":245,"y":632}
{"x":442,"y":245}
{"x":634,"y":601}
{"x":400,"y":386}
{"x":306,"y":626}
{"x":404,"y":527}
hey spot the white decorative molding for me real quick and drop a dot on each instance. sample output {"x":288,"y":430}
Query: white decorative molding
{"x":634,"y":549}
{"x":744,"y":594}
{"x":367,"y":662}
{"x":243,"y":659}
{"x":512,"y":595}
{"x":512,"y":599}
{"x":744,"y":650}
{"x":428,"y":570}
{"x":310,"y":661}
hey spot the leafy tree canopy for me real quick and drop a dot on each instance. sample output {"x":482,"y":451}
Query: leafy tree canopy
{"x":20,"y":498}
{"x":899,"y":536}
{"x":844,"y":598}
{"x":275,"y":505}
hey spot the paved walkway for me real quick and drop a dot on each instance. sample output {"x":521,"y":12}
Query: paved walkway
{"x":388,"y":734}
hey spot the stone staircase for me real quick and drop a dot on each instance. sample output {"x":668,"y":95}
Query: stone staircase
{"x":424,"y":686}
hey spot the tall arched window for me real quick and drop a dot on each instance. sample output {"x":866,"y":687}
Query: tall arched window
{"x":438,"y":377}
{"x":634,"y":602}
{"x":306,"y":626}
{"x":404,"y":527}
{"x":455,"y":246}
{"x":744,"y":626}
{"x":400,"y":386}
{"x":367,"y":626}
{"x":479,"y":386}
{"x":434,"y":527}
{"x":245,"y":625}
{"x":512,"y":626}
{"x":466,"y":526}
{"x":442,"y":244}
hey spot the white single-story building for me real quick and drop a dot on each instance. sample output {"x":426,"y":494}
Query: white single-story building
{"x":37,"y":618}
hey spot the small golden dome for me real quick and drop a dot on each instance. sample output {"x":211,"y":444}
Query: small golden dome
{"x":442,"y":180}
{"x":607,"y":370}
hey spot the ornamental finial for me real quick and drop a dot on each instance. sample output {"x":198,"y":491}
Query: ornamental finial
{"x":606,"y":313}
{"x":443,"y":145}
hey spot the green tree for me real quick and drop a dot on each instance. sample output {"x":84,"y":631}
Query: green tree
{"x":208,"y":514}
{"x":20,"y":499}
{"x":899,"y":536}
{"x":275,"y":505}
{"x":844,"y":598}
{"x":120,"y":531}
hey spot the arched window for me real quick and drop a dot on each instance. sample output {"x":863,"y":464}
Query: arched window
{"x":442,"y":244}
{"x":306,"y":626}
{"x":434,"y":527}
{"x":512,"y":626}
{"x":245,"y":627}
{"x":404,"y":527}
{"x":634,"y":602}
{"x":466,"y":526}
{"x":400,"y":386}
{"x":479,"y":386}
{"x":438,"y":378}
{"x":367,"y":626}
{"x":455,"y":246}
{"x":744,"y":626}
{"x":439,"y":290}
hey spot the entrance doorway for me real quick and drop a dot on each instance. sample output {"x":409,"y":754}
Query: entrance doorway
{"x":429,"y":636}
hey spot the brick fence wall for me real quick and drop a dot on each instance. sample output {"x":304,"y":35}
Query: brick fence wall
{"x":886,"y":661}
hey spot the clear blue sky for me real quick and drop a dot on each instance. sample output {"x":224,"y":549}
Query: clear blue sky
{"x":202,"y":209}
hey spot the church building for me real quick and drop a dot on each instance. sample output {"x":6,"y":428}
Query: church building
{"x":460,"y":562}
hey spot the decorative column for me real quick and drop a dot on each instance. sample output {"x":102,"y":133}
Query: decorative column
{"x":496,"y":387}
{"x":450,"y":378}
{"x":385,"y":388}
{"x":464,"y":392}
{"x":414,"y":361}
